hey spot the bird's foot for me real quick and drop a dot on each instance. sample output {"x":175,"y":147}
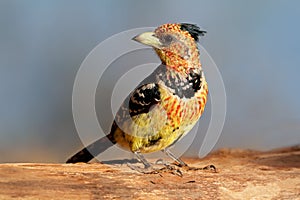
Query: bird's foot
{"x":211,"y":168}
{"x":168,"y":169}
{"x":151,"y":170}
{"x":139,"y":168}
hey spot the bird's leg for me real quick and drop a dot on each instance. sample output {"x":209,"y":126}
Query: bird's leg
{"x":171,"y":155}
{"x":185,"y":166}
{"x":142,"y":159}
{"x":147,"y":166}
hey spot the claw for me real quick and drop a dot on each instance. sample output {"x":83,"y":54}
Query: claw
{"x":160,"y":162}
{"x":140,"y":169}
{"x":208,"y":167}
{"x":150,"y":170}
{"x":168,"y":169}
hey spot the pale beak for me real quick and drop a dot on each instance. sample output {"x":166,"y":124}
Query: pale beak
{"x":148,"y":38}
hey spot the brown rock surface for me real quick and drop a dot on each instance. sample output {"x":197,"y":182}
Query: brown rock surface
{"x":242,"y":174}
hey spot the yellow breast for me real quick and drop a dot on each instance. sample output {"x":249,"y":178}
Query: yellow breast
{"x":163,"y":124}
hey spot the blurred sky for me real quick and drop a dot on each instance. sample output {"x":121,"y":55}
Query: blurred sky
{"x":255,"y":44}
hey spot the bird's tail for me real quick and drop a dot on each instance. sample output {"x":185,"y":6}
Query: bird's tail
{"x":97,"y":147}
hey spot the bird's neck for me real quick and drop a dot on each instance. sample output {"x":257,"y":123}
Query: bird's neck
{"x":181,"y":64}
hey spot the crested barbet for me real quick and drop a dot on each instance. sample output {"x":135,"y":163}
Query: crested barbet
{"x":166,"y":105}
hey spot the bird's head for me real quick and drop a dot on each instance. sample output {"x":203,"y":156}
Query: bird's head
{"x":175,"y":44}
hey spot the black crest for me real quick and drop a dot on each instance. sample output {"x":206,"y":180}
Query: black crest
{"x":193,"y":29}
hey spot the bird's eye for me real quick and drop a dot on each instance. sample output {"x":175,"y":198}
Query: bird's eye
{"x":167,"y":39}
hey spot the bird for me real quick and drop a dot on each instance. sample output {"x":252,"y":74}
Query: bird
{"x":166,"y":105}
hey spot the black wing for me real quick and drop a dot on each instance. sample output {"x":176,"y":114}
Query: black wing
{"x":143,"y":98}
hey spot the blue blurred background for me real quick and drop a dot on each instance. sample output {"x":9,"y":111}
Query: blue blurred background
{"x":255,"y":44}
